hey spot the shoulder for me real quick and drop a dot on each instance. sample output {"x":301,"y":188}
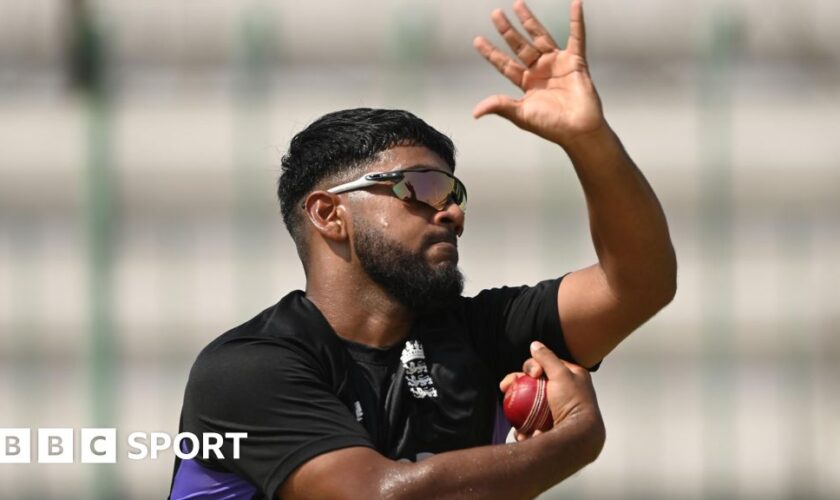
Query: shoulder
{"x":289,"y":339}
{"x":291,"y":320}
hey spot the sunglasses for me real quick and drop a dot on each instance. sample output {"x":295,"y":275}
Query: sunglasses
{"x":432,"y":187}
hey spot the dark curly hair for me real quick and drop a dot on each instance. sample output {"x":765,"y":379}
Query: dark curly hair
{"x":347,"y":140}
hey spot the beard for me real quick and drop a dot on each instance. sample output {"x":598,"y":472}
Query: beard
{"x":406,"y":276}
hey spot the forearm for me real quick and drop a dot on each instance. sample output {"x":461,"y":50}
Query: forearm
{"x":517,"y":470}
{"x":628,"y":226}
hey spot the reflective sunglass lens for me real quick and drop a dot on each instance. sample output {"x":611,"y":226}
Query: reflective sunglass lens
{"x":431,"y":187}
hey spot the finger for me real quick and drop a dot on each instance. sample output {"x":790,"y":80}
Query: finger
{"x":502,"y":105}
{"x":554,"y":367}
{"x":532,"y":367}
{"x":541,"y":38}
{"x":509,"y":378}
{"x":577,"y":29}
{"x":523,"y":49}
{"x":521,"y":437}
{"x":536,"y":433}
{"x":506,"y":66}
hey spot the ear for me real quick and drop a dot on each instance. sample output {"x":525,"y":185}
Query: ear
{"x":327,"y":214}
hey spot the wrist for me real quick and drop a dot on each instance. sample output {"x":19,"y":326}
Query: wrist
{"x":595,"y":139}
{"x":586,"y":430}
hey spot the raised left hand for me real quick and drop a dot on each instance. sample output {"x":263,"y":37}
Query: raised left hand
{"x":559,"y":102}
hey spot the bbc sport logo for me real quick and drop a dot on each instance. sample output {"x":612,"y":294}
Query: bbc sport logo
{"x":99,"y":445}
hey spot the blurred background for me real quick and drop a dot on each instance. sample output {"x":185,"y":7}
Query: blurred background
{"x":140,"y":144}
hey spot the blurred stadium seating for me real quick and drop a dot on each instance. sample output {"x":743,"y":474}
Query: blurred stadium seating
{"x":139,"y":151}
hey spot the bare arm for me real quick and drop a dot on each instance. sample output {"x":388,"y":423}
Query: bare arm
{"x":636,"y":271}
{"x":518,"y":470}
{"x":635,"y":275}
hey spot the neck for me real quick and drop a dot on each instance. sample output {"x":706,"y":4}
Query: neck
{"x":358,"y":309}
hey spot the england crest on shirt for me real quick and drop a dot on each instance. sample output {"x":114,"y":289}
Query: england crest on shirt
{"x":360,"y":415}
{"x":417,"y":376}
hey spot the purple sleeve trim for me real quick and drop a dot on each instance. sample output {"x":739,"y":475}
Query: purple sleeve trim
{"x":501,"y":426}
{"x":195,"y":481}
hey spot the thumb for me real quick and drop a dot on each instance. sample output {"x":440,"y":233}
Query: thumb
{"x":502,"y":105}
{"x":552,"y":365}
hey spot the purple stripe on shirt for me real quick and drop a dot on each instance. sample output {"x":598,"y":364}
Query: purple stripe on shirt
{"x":194,"y":481}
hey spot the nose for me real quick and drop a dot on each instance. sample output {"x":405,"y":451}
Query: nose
{"x":451,"y":216}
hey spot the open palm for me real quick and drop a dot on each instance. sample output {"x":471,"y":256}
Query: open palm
{"x":559,"y":102}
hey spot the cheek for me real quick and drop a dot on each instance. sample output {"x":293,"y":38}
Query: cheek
{"x":401,"y":222}
{"x":396,"y":228}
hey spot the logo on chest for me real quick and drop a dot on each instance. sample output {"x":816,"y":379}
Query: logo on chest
{"x":417,"y":375}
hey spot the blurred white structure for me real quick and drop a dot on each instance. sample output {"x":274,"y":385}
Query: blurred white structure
{"x":729,"y":107}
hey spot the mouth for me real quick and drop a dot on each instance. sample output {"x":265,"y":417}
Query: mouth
{"x":444,"y":251}
{"x":451,"y":247}
{"x":444,"y":239}
{"x":442,"y":246}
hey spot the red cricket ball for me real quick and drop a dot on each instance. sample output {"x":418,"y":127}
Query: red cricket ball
{"x":526,"y":405}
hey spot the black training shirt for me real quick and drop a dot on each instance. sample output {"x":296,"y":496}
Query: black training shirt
{"x":298,"y":390}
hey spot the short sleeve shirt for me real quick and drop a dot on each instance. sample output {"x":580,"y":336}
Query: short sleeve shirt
{"x":298,"y":390}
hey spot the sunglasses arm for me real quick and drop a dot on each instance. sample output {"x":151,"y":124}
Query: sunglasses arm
{"x":350,"y":186}
{"x":366,"y":180}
